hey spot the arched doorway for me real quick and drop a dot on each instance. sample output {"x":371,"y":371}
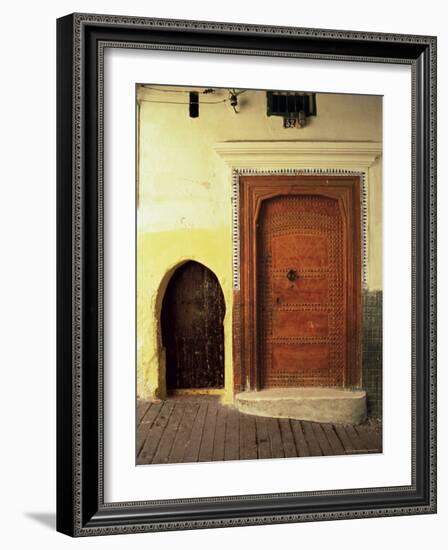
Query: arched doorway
{"x":192,"y":317}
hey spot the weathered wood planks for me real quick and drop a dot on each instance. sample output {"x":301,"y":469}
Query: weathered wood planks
{"x":200,"y":429}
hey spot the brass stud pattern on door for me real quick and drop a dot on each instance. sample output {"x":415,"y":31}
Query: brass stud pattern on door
{"x":306,"y":215}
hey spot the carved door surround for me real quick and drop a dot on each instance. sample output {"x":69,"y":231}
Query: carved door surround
{"x":255,"y":193}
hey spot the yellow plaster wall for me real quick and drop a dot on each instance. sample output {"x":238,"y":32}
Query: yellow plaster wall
{"x":159,"y":254}
{"x":184,"y":191}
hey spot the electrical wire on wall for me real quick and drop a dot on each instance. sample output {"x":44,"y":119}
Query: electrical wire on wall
{"x":193,"y":101}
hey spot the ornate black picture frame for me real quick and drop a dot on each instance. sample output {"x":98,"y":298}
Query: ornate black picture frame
{"x":81,"y":40}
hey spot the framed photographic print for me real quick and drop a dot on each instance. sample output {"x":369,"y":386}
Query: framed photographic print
{"x":246,"y":274}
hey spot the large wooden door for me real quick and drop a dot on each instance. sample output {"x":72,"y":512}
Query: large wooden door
{"x":301,"y":292}
{"x":192,"y":329}
{"x":298,"y":312}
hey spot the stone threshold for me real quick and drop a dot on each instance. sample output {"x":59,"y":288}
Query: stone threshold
{"x":334,"y":405}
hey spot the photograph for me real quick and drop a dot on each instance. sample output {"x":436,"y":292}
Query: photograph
{"x":259,"y":274}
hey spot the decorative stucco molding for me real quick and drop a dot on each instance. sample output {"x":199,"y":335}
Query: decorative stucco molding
{"x":352,"y":155}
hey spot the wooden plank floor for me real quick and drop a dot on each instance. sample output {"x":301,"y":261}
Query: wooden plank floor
{"x":200,"y":429}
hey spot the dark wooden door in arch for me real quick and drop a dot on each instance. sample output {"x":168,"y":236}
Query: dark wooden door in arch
{"x":192,"y":317}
